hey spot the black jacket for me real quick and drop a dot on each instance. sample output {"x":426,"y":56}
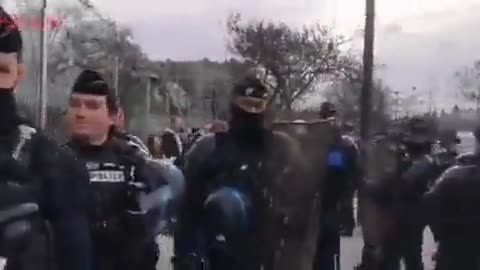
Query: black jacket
{"x":273,"y":166}
{"x":50,"y":175}
{"x":451,"y":209}
{"x":118,"y":174}
{"x":342,"y":173}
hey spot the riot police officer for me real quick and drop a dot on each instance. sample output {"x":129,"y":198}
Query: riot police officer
{"x":451,"y":210}
{"x":247,"y":203}
{"x":122,"y":226}
{"x":36,"y":172}
{"x":414,"y":182}
{"x":399,"y":193}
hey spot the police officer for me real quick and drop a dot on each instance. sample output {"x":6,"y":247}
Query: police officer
{"x":342,"y":168}
{"x":451,"y":210}
{"x":36,"y":171}
{"x":119,"y":175}
{"x":414,"y":181}
{"x":247,"y":203}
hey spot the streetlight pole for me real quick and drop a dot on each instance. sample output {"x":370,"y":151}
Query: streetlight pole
{"x":43,"y":95}
{"x":366,"y":93}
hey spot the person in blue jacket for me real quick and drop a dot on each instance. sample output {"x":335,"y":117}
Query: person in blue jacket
{"x":342,"y":168}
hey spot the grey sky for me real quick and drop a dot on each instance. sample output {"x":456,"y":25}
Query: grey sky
{"x":421,"y":42}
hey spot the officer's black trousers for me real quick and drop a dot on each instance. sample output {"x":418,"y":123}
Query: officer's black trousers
{"x":406,"y":245}
{"x":327,"y":256}
{"x":125,"y":254}
{"x":458,"y":255}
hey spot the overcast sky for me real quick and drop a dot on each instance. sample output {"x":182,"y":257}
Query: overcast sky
{"x":420,"y":42}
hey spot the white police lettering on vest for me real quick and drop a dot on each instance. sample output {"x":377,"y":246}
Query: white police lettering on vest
{"x":109,"y":176}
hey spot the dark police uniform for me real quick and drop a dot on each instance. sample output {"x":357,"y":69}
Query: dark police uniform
{"x":451,"y":210}
{"x":118,"y":225}
{"x":35,"y":170}
{"x":48,"y":175}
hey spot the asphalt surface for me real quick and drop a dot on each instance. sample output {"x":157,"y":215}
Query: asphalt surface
{"x":351,"y":247}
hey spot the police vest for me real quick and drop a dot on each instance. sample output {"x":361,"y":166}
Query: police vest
{"x":111,"y":195}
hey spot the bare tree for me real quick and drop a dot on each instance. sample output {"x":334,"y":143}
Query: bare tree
{"x":468,"y":82}
{"x":345,"y":92}
{"x":291,"y":61}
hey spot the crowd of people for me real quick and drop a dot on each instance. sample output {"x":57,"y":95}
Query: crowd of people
{"x":240,"y":195}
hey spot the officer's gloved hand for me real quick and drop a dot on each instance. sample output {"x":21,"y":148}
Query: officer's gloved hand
{"x":160,"y":200}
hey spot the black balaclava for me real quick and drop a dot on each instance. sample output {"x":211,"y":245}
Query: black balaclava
{"x":10,"y":42}
{"x":249,"y":99}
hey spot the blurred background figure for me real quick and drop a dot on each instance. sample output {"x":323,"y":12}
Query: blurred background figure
{"x":218,"y":126}
{"x":154,"y":146}
{"x":170,"y":144}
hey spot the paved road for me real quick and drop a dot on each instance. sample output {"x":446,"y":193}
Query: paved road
{"x":351,"y":248}
{"x":350,"y":253}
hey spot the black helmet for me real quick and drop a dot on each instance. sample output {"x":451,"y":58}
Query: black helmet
{"x":327,"y":110}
